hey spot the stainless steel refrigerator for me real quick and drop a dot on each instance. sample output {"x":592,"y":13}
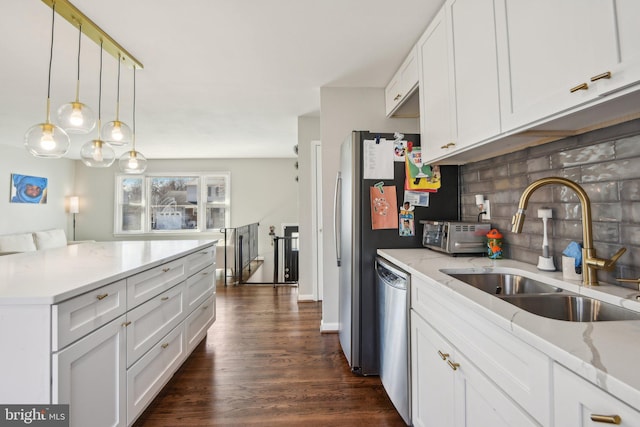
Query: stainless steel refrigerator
{"x":356,"y":244}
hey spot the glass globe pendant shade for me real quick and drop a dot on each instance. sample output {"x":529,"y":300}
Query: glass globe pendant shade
{"x":47,"y":140}
{"x":132,"y":162}
{"x":97,"y":154}
{"x":76,"y":117}
{"x":117,"y":133}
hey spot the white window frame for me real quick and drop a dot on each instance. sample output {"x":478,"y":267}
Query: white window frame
{"x":146,"y":192}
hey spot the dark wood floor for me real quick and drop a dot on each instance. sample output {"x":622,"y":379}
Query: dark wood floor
{"x":264,"y":362}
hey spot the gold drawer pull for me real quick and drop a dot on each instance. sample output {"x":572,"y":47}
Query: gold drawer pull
{"x":164,"y":298}
{"x":398,"y":96}
{"x":605,"y":75}
{"x":204,"y":252}
{"x":205,"y":307}
{"x":125,"y":324}
{"x":102,"y":296}
{"x":445,"y":146}
{"x":609,"y":419}
{"x":453,"y":365}
{"x":164,"y":270}
{"x":165,"y":345}
{"x":582,"y":86}
{"x":443,"y":356}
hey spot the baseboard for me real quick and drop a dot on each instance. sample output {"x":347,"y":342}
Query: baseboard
{"x":328,"y":328}
{"x":306,"y":298}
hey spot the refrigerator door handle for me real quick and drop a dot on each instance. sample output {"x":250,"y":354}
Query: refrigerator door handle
{"x":336,"y":217}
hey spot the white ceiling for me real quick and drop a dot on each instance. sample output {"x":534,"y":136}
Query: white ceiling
{"x":221,"y":78}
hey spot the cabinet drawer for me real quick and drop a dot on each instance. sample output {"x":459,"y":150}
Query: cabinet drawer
{"x":152,"y":282}
{"x":577,"y":400}
{"x":152,"y":320}
{"x":199,"y":322}
{"x":147,"y":377}
{"x":75,"y":318}
{"x":517,"y":368}
{"x":199,"y":287}
{"x":201,"y":259}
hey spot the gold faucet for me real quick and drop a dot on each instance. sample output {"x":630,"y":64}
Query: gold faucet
{"x":590,"y":263}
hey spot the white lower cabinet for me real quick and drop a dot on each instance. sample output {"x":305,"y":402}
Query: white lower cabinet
{"x":149,"y":374}
{"x":580,"y":403}
{"x":89,"y":375}
{"x":448,"y":390}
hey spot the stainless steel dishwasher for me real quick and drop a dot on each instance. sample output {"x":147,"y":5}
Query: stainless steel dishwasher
{"x":393,"y":335}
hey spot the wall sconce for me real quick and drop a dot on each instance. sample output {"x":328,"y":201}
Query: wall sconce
{"x":74,"y":208}
{"x":484,"y":207}
{"x":46,"y":139}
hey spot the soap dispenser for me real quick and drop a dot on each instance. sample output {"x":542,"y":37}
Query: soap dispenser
{"x":545,"y":262}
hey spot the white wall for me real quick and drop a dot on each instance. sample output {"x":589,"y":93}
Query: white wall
{"x":20,"y":217}
{"x":262,"y":190}
{"x":342,"y":111}
{"x":308,"y":130}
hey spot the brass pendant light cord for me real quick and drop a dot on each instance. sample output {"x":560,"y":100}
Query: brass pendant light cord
{"x":133,"y":139}
{"x":78,"y":73}
{"x":53,"y":22}
{"x":100,"y":95}
{"x":118,"y":92}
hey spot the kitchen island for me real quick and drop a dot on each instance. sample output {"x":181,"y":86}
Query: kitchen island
{"x":507,"y":366}
{"x":102,"y":326}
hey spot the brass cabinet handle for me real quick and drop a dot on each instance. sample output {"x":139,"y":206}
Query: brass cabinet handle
{"x":164,"y":270}
{"x":581,"y":86}
{"x":444,"y":146}
{"x":605,"y":75}
{"x":442,"y":355}
{"x":609,"y":419}
{"x":165,"y":345}
{"x":164,"y":298}
{"x":450,"y":144}
{"x":205,"y":307}
{"x":398,"y":96}
{"x":453,"y":365}
{"x":102,"y":296}
{"x":125,"y":324}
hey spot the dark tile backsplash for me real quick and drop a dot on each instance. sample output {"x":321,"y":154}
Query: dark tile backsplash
{"x":605,"y":162}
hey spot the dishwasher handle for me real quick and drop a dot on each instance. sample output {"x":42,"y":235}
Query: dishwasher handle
{"x":391,"y":275}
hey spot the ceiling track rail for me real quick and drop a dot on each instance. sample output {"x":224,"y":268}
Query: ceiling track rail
{"x":89,"y":28}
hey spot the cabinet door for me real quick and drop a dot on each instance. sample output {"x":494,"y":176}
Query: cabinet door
{"x":480,"y":403}
{"x":475,"y":70}
{"x":577,"y":401}
{"x":401,"y":86}
{"x":437,"y":102}
{"x":432,"y":393}
{"x":624,"y":65}
{"x":547,"y":50}
{"x":199,"y":321}
{"x":90,"y":376}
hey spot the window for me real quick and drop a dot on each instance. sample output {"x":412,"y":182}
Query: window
{"x":181,"y":203}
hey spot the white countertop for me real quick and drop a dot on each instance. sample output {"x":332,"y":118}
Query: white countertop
{"x":605,"y":353}
{"x":53,"y":275}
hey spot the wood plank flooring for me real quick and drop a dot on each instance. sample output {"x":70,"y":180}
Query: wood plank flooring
{"x":265,"y":363}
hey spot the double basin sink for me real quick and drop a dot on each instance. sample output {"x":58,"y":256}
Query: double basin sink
{"x":544,"y":299}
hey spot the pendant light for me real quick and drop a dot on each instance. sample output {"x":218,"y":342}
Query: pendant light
{"x":116,"y":132}
{"x":76,"y":117}
{"x":98,"y":153}
{"x":133,"y":161}
{"x":46,"y":139}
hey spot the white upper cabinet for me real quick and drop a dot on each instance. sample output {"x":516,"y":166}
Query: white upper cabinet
{"x":403,"y":84}
{"x":459,"y":93}
{"x":437,"y":109}
{"x":475,"y":69}
{"x":554,"y":55}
